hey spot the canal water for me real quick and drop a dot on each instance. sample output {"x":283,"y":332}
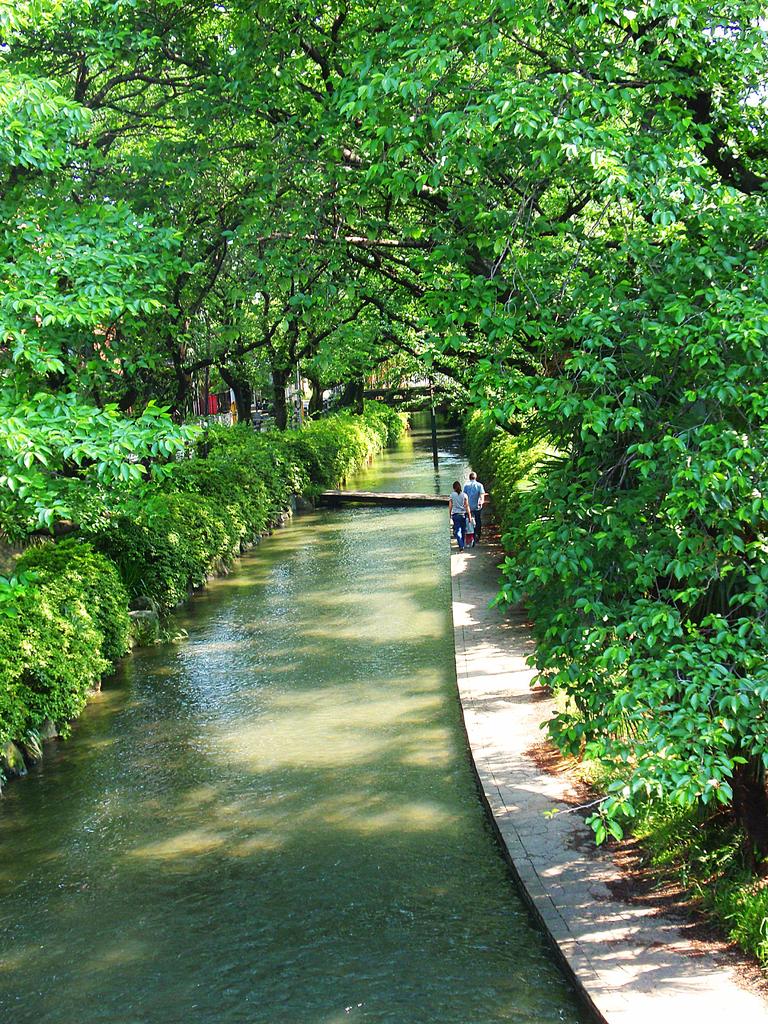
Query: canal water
{"x":273,"y":819}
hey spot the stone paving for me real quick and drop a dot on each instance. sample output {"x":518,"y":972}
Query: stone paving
{"x":621,"y":955}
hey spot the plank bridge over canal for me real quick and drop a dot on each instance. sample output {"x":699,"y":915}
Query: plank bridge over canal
{"x":378,"y":498}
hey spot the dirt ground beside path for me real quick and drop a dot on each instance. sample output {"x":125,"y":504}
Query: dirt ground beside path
{"x":646,"y":886}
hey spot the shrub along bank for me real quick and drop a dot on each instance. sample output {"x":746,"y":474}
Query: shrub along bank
{"x":505,"y":463}
{"x":702,"y":850}
{"x":234,"y":489}
{"x":64,"y":616}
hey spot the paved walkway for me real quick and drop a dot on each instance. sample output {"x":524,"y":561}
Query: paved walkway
{"x":633,"y":964}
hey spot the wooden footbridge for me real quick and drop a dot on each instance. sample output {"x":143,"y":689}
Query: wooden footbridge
{"x":378,"y":498}
{"x":406,"y":393}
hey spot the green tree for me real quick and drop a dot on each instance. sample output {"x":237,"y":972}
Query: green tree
{"x":593,"y":187}
{"x":563,"y":206}
{"x":72,"y":267}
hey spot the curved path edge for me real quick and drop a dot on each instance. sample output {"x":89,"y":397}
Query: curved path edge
{"x":620,"y":954}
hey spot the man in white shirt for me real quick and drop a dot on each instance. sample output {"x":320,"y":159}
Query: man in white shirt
{"x":475,"y":492}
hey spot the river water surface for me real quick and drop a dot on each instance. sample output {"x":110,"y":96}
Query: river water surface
{"x":273,"y":821}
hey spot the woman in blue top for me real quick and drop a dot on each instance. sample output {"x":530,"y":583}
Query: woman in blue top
{"x":458,"y":511}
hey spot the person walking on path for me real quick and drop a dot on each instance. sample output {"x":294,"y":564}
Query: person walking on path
{"x":459,"y":512}
{"x":475,"y":492}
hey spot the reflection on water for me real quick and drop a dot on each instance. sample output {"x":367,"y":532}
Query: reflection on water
{"x":274,"y":821}
{"x":409,"y":467}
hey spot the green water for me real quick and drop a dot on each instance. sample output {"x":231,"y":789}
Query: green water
{"x":409,"y":467}
{"x":274,"y":821}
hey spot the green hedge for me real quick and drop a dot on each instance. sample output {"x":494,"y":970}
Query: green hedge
{"x":334,"y":448}
{"x":96,"y":580}
{"x":389,"y":424}
{"x":61,"y":626}
{"x":505,"y":463}
{"x":64,"y":617}
{"x":169,"y":545}
{"x":231,"y":490}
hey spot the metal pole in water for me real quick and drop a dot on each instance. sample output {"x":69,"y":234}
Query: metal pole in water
{"x":433,"y":423}
{"x":299,"y":398}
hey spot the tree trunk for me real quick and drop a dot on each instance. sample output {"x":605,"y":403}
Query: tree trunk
{"x":279,"y":383}
{"x":180,"y":404}
{"x":128,"y":399}
{"x":352,"y":397}
{"x":180,"y":401}
{"x":750,"y":804}
{"x":316,"y":401}
{"x":243,"y":393}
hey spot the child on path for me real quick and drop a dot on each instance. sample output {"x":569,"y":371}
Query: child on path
{"x":469,"y":532}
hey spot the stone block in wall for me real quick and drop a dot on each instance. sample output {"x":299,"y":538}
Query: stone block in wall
{"x":12,"y":761}
{"x":48,"y":730}
{"x":145,"y":628}
{"x":32,"y":747}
